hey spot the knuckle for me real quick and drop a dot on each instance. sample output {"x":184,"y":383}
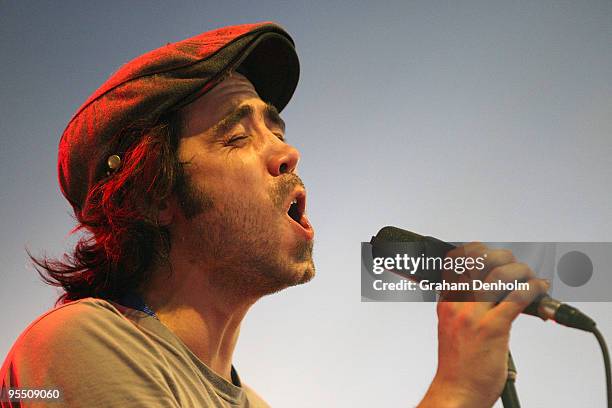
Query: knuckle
{"x":496,"y":273}
{"x":500,"y":256}
{"x":541,"y":285}
{"x":477,"y":247}
{"x":469,"y":247}
{"x":525,"y":270}
{"x":508,"y":255}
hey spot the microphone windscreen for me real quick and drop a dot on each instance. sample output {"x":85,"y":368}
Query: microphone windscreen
{"x":391,"y":242}
{"x":394,"y":234}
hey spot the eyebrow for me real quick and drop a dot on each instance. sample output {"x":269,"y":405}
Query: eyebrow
{"x":232,"y":119}
{"x":241,"y":112}
{"x":271,"y":114}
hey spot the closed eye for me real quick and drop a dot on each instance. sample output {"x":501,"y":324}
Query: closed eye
{"x":234,"y":139}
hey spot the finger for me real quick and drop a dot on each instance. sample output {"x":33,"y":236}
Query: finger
{"x":464,"y":270}
{"x":518,"y":300}
{"x":506,"y":273}
{"x":491,"y":258}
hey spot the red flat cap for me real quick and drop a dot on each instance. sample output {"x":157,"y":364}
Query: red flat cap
{"x":164,"y":80}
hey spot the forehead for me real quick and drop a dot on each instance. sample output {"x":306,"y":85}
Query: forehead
{"x":207,"y":110}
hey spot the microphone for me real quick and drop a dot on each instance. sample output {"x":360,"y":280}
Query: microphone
{"x":544,"y":307}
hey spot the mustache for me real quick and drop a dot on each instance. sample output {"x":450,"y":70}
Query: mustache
{"x":284,"y":187}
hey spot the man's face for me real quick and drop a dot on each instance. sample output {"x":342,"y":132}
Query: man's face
{"x":237,"y":220}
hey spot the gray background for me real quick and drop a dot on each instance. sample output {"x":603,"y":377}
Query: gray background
{"x":464,"y":120}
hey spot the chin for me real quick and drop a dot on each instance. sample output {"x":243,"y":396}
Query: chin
{"x":298,"y":275}
{"x":307,"y":274}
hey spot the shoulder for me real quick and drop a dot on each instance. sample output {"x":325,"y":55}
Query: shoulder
{"x":76,"y":321}
{"x":90,"y":351}
{"x":87,"y":335}
{"x":71,"y":331}
{"x":75,"y":314}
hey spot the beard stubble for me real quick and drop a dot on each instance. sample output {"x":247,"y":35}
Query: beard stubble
{"x":238,"y":242}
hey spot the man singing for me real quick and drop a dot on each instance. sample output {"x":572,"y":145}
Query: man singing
{"x":186,"y":192}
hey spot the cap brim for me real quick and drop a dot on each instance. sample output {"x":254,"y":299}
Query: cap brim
{"x":272,"y":65}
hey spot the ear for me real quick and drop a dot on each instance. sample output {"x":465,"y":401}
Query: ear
{"x":165,"y":214}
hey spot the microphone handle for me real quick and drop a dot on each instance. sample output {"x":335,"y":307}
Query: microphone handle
{"x":546,"y":308}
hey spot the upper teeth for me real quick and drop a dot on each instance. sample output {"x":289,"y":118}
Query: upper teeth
{"x":294,"y":201}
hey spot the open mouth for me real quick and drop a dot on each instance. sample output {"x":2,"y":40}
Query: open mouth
{"x":294,"y":211}
{"x":297,"y":210}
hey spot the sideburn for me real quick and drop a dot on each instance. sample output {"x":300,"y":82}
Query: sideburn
{"x":191,"y":200}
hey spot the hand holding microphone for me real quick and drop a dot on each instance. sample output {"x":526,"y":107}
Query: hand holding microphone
{"x":473,"y":336}
{"x":544,"y":306}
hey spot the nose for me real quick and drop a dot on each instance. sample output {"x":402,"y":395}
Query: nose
{"x":283,"y":159}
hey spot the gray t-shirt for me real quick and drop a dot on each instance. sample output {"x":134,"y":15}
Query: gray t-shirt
{"x":101,"y":354}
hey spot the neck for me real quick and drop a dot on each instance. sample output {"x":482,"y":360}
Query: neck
{"x":204,"y":316}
